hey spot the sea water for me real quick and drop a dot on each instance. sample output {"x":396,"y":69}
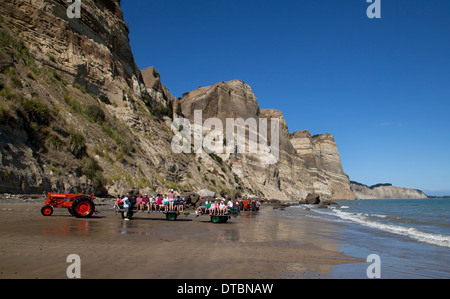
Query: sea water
{"x":411,"y":237}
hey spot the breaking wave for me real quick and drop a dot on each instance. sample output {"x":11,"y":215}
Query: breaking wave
{"x":369,"y":220}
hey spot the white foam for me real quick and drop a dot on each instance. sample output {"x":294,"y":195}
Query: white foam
{"x":362,"y":219}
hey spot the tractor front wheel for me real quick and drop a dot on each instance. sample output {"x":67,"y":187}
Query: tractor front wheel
{"x":47,"y":211}
{"x":83,"y":207}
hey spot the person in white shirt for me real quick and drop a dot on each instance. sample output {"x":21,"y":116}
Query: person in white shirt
{"x":126,"y":208}
{"x":222,"y":208}
{"x":229,"y":205}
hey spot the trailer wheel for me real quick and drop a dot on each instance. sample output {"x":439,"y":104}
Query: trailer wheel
{"x":83,"y":207}
{"x":47,"y":210}
{"x":171,"y":216}
{"x":219,"y":219}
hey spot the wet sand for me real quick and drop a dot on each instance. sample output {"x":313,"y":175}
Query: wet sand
{"x":255,"y":245}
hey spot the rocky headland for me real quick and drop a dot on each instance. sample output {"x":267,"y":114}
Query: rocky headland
{"x":385,"y":191}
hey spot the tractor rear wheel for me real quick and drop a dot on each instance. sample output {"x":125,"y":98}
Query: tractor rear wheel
{"x":83,"y":207}
{"x":47,"y":210}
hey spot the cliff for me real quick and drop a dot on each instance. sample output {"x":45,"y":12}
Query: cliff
{"x":157,"y":90}
{"x":385,"y":191}
{"x":77,"y":115}
{"x":304,"y":165}
{"x":93,"y":51}
{"x":323,"y":162}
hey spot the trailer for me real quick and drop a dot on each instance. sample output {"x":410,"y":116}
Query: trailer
{"x":173,"y":215}
{"x":170,"y":215}
{"x":222,"y":218}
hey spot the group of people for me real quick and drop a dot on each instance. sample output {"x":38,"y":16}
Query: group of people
{"x":162,"y":203}
{"x":216,"y":207}
{"x":171,"y":202}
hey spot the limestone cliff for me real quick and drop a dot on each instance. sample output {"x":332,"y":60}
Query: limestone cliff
{"x":93,"y":50}
{"x":156,"y":89}
{"x":223,"y":100}
{"x":305,"y":165}
{"x":323,"y":162}
{"x":77,"y":115}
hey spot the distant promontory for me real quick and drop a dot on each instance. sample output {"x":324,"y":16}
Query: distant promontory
{"x":385,"y":191}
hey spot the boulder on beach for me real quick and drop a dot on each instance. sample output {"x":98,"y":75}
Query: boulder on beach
{"x":311,"y":199}
{"x":191,"y":198}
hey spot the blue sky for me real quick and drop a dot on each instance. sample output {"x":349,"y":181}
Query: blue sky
{"x":381,"y":87}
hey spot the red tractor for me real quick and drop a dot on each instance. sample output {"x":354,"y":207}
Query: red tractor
{"x":78,"y":205}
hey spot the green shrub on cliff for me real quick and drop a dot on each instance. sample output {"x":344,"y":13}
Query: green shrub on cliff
{"x":38,"y":111}
{"x":77,"y":144}
{"x":95,"y":114}
{"x":94,"y":172}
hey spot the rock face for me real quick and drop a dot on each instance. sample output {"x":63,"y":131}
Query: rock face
{"x":156,"y":89}
{"x":222,"y":100}
{"x":305,"y":165}
{"x":323,"y":161}
{"x":385,"y":191}
{"x":77,"y":115}
{"x":93,"y":50}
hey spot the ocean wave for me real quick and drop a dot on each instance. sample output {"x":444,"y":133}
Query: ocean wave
{"x":411,"y":232}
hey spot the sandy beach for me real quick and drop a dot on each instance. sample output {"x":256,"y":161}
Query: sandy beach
{"x":255,"y":245}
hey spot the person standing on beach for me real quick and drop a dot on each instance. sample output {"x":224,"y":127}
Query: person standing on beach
{"x":126,"y":207}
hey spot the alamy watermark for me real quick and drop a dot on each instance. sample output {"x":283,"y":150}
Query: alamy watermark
{"x":209,"y":136}
{"x":74,"y":10}
{"x":374,"y":270}
{"x":374,"y":9}
{"x":74,"y":269}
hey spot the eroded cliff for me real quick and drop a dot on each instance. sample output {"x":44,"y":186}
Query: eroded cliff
{"x":323,"y":162}
{"x":77,"y":115}
{"x":297,"y":172}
